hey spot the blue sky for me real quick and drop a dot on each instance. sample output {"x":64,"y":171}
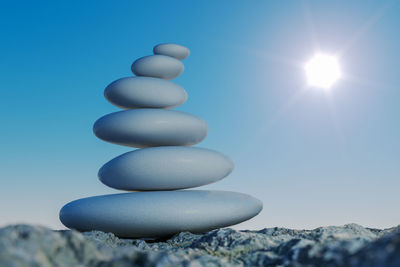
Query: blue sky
{"x":313,"y":158}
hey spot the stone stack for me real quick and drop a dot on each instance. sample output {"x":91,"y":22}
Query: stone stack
{"x":165,"y":163}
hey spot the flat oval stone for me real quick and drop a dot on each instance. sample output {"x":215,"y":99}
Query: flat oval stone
{"x":165,"y":168}
{"x":157,"y":214}
{"x":151,"y":127}
{"x":173,"y":50}
{"x":145,"y":92}
{"x":158,"y":66}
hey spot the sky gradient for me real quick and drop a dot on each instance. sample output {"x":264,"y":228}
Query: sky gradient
{"x":313,"y":158}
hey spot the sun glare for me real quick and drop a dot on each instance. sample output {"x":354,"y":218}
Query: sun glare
{"x":322,"y":71}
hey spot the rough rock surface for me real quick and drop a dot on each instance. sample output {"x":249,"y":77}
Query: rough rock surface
{"x":349,"y":245}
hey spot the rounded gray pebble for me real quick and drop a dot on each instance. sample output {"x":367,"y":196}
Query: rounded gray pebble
{"x":158,"y":66}
{"x":151,"y":127}
{"x":157,"y":214}
{"x":165,"y":168}
{"x":173,"y":50}
{"x":145,"y":92}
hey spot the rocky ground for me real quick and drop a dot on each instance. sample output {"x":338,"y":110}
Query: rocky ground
{"x":349,"y":245}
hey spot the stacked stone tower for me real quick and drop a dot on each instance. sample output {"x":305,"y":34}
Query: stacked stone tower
{"x":165,"y":163}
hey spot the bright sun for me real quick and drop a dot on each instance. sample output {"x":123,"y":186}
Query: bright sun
{"x":322,"y":71}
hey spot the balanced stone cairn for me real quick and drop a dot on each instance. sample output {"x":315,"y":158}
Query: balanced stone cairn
{"x":165,"y":163}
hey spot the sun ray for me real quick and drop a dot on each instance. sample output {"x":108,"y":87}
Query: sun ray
{"x":367,"y":25}
{"x":287,"y":105}
{"x":278,"y":58}
{"x":271,"y":56}
{"x":354,"y":79}
{"x":310,"y":25}
{"x":336,"y":122}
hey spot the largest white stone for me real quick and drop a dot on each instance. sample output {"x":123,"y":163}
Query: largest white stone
{"x":151,"y":127}
{"x":157,"y":214}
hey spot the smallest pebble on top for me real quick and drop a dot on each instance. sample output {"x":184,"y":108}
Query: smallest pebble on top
{"x":164,"y":64}
{"x":173,"y":50}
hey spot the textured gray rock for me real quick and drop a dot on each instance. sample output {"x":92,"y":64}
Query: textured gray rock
{"x":349,"y":245}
